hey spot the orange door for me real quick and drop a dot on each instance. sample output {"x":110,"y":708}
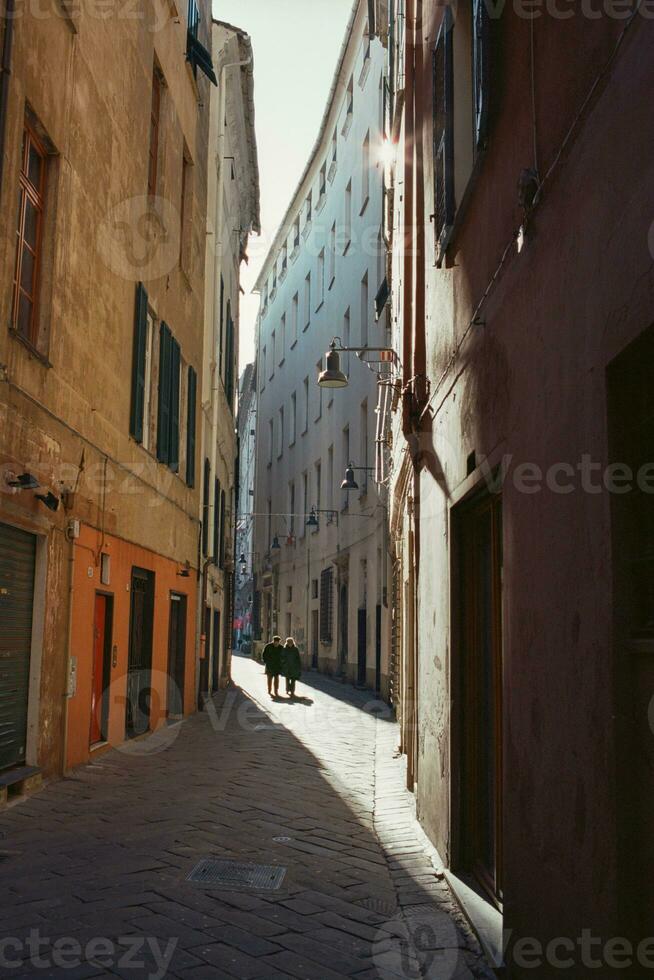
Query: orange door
{"x":99,"y":646}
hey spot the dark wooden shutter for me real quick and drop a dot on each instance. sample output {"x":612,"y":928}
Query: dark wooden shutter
{"x":229,"y":355}
{"x":205,"y":507}
{"x":163,"y":417}
{"x":221,"y":545}
{"x":443,"y":137}
{"x":326,"y":604}
{"x":481,"y":70}
{"x":190,"y":426}
{"x":217,"y":522}
{"x":222,"y":324}
{"x":138,"y":363}
{"x":175,"y":358}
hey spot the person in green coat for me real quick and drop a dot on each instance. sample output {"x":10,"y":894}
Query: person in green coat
{"x":272,"y":658}
{"x":291,"y":665}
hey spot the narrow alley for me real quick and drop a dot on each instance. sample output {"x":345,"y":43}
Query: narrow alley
{"x":96,"y":866}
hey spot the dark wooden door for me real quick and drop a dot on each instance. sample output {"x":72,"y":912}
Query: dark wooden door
{"x":478,"y":692}
{"x":176,"y":655}
{"x":315,"y":628}
{"x":17,"y":565}
{"x":343,"y":625}
{"x":101,"y":668}
{"x":362,"y":645}
{"x":139,"y":662}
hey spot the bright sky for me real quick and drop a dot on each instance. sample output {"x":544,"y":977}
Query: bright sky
{"x":296,"y":45}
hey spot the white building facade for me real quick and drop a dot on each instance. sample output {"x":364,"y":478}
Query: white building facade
{"x":244,"y":572}
{"x":326,"y":582}
{"x":233,"y":214}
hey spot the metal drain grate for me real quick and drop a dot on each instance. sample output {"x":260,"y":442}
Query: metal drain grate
{"x":231,"y":874}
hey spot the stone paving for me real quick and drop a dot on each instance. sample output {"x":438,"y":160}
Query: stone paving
{"x":93,"y":870}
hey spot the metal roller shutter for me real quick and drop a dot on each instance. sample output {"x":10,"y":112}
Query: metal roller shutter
{"x":17,"y":561}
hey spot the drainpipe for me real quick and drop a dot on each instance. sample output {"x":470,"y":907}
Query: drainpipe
{"x":217,"y":266}
{"x":69,"y":652}
{"x":5,"y":73}
{"x":408,"y":244}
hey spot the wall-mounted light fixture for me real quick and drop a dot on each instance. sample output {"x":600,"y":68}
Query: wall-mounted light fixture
{"x":333,"y":376}
{"x":349,"y":483}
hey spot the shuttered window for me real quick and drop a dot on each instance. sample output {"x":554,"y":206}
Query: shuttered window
{"x":443,"y":137}
{"x":481,"y":70}
{"x":206,"y":490}
{"x":139,"y":363}
{"x":190,"y":426}
{"x":326,"y":604}
{"x":229,"y":360}
{"x":29,"y":235}
{"x":217,"y":521}
{"x":168,"y":414}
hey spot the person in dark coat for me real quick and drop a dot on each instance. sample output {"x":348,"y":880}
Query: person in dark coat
{"x":291,"y":665}
{"x":272,"y":658}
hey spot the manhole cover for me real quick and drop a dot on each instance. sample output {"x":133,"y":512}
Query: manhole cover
{"x":231,"y":874}
{"x":282,"y":840}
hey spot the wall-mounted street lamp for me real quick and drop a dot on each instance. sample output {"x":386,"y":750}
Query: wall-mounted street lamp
{"x":349,"y":483}
{"x":333,"y":376}
{"x":312,"y":520}
{"x":242,"y":561}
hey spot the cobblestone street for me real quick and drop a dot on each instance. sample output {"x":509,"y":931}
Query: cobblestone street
{"x":94,"y":868}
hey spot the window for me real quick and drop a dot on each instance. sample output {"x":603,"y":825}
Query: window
{"x":191,"y":412}
{"x":168,"y":412}
{"x":291,"y":506}
{"x":284,"y":258}
{"x":270,"y":442}
{"x":321,"y":279}
{"x":216,"y":520}
{"x":314,"y":588}
{"x":265,"y":297}
{"x":306,"y":406}
{"x":443,"y":138}
{"x":230,"y":357}
{"x":365,"y":172}
{"x":330,"y":476}
{"x":322,"y":187}
{"x":318,"y":486}
{"x":155,"y":110}
{"x":293,"y":422}
{"x":206,"y":490}
{"x":309,"y":210}
{"x":143,"y":326}
{"x":264,"y":356}
{"x":280,"y":432}
{"x":296,"y":234}
{"x":295,"y":303}
{"x":273,"y":353}
{"x":346,"y":339}
{"x":186,"y":216}
{"x":481,"y":58}
{"x":305,"y":502}
{"x":364,"y":311}
{"x":289,"y":594}
{"x":147,"y":387}
{"x":282,"y":339}
{"x":331,"y":275}
{"x":29,"y":245}
{"x":347,"y":220}
{"x":318,"y":391}
{"x":345,"y":455}
{"x":366,"y":42}
{"x":326,"y":604}
{"x":273,"y":286}
{"x":334,"y":150}
{"x":196,"y":54}
{"x":269,"y":523}
{"x":307,"y":300}
{"x":221,"y":542}
{"x":349,"y":107}
{"x":363,"y":448}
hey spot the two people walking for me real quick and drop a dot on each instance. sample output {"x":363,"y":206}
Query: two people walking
{"x":282,"y":661}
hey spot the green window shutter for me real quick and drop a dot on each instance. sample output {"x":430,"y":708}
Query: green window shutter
{"x":217,"y":524}
{"x":175,"y":358}
{"x":163,"y":416}
{"x":229,"y":368}
{"x":221,"y":545}
{"x":190,"y":427}
{"x":222,"y":317}
{"x":444,"y":206}
{"x":205,"y":507}
{"x":138,"y":363}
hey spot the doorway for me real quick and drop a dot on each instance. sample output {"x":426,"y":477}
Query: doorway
{"x":101,"y":676}
{"x":139,"y":661}
{"x":343,"y":626}
{"x":17,"y":569}
{"x":315,"y":626}
{"x":362,"y":646}
{"x":477,"y":692}
{"x":176,"y":656}
{"x":215,"y":647}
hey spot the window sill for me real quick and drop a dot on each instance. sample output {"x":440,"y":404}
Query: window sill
{"x":364,"y":205}
{"x":33,"y":351}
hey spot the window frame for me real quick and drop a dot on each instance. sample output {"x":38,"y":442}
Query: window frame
{"x":37,"y":198}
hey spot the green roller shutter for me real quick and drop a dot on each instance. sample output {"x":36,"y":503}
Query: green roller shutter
{"x":173,"y":456}
{"x":17,"y":563}
{"x":163,"y":420}
{"x":138,"y":363}
{"x":190,"y":427}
